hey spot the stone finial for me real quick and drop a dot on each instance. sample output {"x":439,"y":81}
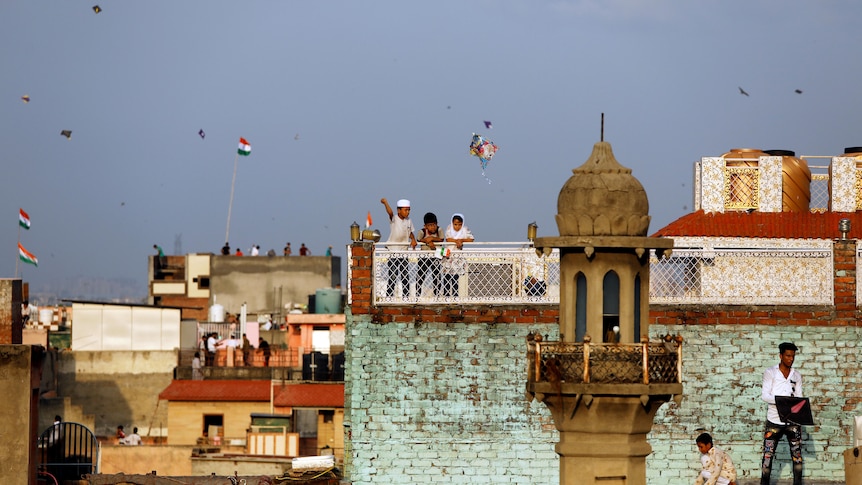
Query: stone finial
{"x":602,"y":198}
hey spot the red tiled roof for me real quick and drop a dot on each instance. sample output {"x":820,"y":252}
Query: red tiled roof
{"x":775,"y":225}
{"x":215,"y":390}
{"x":310,"y":396}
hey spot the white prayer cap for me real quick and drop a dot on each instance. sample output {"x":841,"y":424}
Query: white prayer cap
{"x":403,"y":203}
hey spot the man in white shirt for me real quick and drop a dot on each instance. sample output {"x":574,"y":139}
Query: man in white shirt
{"x":134,"y":439}
{"x":781,"y":380}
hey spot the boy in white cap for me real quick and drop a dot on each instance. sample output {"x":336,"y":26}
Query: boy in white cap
{"x":400,"y":234}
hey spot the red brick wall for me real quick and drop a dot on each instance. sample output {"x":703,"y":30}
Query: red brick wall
{"x":192,"y":308}
{"x":11,"y":326}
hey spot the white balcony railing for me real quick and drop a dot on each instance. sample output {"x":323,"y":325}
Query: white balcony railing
{"x":744,"y":276}
{"x":480,"y":273}
{"x":504,"y":273}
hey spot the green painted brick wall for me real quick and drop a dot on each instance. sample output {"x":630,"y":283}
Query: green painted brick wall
{"x":722,"y":375}
{"x":444,"y":403}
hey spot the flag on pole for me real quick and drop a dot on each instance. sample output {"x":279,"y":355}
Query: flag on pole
{"x":27,"y":256}
{"x":368,"y":221}
{"x":244,"y":147}
{"x":23,"y":219}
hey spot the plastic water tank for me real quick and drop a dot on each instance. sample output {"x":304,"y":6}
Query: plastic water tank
{"x":46,"y":316}
{"x":327,"y":300}
{"x":217,"y":313}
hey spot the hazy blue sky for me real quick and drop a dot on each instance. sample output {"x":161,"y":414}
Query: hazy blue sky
{"x":384,"y":97}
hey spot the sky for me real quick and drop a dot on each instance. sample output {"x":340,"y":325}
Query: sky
{"x":346,"y":102}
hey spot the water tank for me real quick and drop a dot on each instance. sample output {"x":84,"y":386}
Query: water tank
{"x":327,"y":300}
{"x":795,"y":181}
{"x":46,"y":316}
{"x":217,"y":313}
{"x":795,"y":178}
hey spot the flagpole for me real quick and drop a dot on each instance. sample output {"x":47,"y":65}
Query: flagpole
{"x":17,"y":258}
{"x":230,"y":205}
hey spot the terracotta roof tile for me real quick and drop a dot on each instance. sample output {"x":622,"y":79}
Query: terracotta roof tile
{"x":215,"y":390}
{"x":311,"y":396}
{"x":774,"y":225}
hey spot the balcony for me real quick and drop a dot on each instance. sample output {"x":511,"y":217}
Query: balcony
{"x":605,"y":363}
{"x":766,"y":272}
{"x":480,"y":273}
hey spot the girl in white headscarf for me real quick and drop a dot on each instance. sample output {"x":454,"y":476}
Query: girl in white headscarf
{"x":455,"y":265}
{"x":457,"y":232}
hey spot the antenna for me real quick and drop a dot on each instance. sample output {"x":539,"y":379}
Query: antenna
{"x":603,"y":128}
{"x":178,"y":243}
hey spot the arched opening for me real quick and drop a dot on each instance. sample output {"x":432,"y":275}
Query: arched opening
{"x":637,"y":312}
{"x":580,"y":307}
{"x":610,"y":306}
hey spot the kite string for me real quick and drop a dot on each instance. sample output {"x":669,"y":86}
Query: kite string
{"x":484,"y":164}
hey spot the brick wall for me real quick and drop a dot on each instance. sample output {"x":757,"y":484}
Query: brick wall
{"x":429,"y":401}
{"x":436,"y":394}
{"x":11,"y":326}
{"x":722,"y":373}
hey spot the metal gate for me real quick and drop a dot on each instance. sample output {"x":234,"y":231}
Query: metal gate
{"x":68,"y":451}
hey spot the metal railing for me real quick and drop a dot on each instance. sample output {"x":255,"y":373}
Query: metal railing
{"x":67,"y":451}
{"x":480,"y":273}
{"x":743,"y":276}
{"x":605,"y":363}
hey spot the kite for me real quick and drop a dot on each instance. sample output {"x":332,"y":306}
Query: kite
{"x":202,"y":134}
{"x":488,"y":125}
{"x":742,"y":91}
{"x":67,"y":134}
{"x":483,"y":149}
{"x":797,"y":91}
{"x":25,"y":98}
{"x":97,"y":8}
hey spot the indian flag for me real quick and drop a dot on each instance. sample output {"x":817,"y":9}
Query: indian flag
{"x":244,"y":147}
{"x":23,"y":219}
{"x":27,"y":256}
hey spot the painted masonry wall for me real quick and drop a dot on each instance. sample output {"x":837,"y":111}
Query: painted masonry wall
{"x":432,"y":399}
{"x":722,"y":373}
{"x":434,"y":402}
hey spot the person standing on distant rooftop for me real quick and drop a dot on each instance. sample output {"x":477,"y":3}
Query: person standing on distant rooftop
{"x":134,"y":439}
{"x":238,"y":252}
{"x":304,"y":251}
{"x":197,"y":371}
{"x":287,"y":250}
{"x":329,"y":251}
{"x":160,"y":258}
{"x":255,"y":250}
{"x":225,"y":250}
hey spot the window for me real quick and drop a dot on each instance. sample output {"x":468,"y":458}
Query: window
{"x":202,"y":281}
{"x":214,"y":422}
{"x":610,"y":306}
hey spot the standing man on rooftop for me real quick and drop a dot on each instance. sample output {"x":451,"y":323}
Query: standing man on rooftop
{"x":400,"y":234}
{"x":781,"y":380}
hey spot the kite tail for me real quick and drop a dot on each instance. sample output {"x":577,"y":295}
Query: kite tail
{"x":484,"y":165}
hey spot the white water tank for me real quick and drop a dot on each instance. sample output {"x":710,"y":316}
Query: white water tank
{"x":217,"y":313}
{"x":46,"y":316}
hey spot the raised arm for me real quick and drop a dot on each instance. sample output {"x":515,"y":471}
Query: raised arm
{"x":388,"y":209}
